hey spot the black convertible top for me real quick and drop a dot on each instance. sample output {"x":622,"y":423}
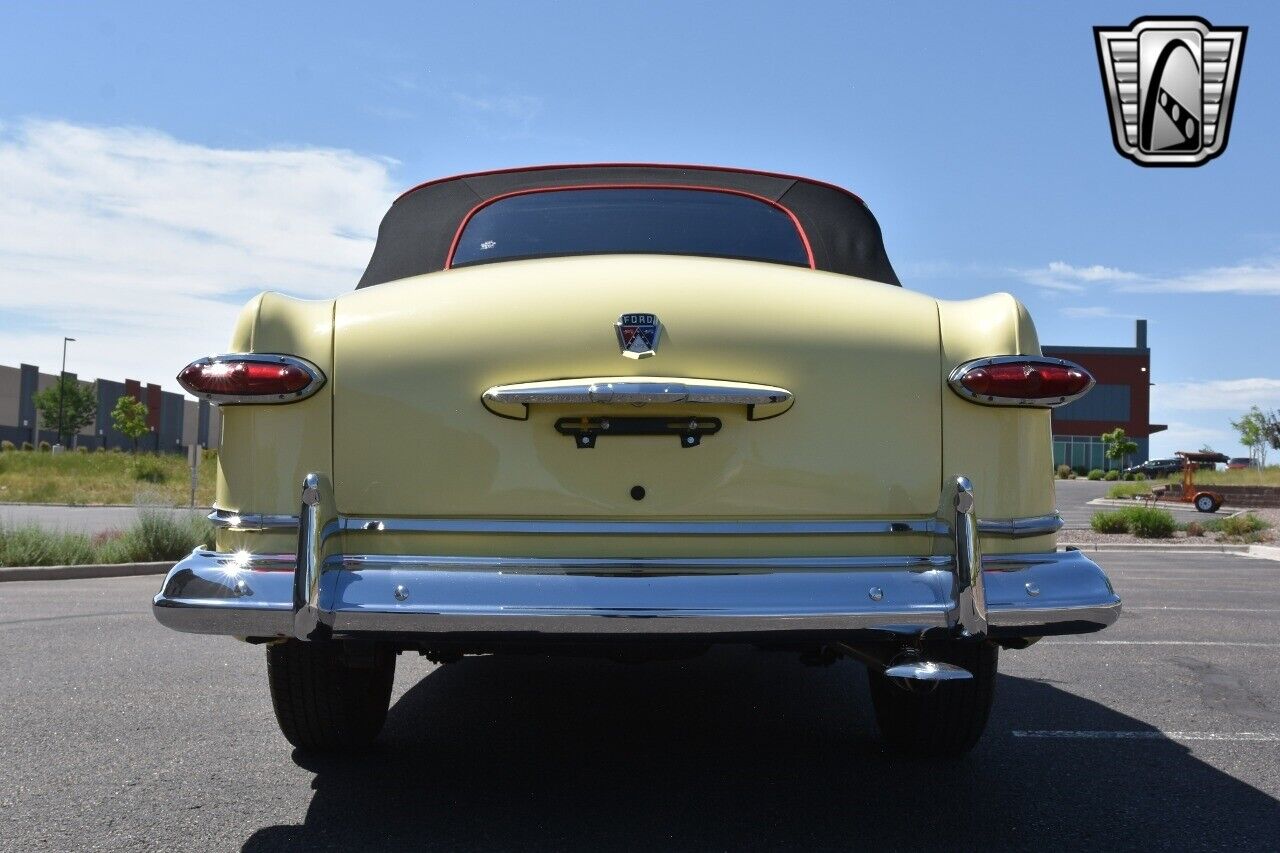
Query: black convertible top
{"x":418,"y":232}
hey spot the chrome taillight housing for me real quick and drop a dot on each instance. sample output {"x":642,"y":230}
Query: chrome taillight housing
{"x":240,"y":378}
{"x":1020,"y":380}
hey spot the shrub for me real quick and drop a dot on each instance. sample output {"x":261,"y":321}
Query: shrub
{"x":1109,"y":522}
{"x":44,"y":446}
{"x":1150,"y":523}
{"x":1140,"y":477}
{"x":148,"y":469}
{"x":117,"y":450}
{"x":26,"y":445}
{"x":32,"y":546}
{"x":1096,"y":474}
{"x":6,"y":446}
{"x":1064,"y":471}
{"x":81,"y":449}
{"x":1113,"y":474}
{"x":158,"y":536}
{"x":99,"y":450}
{"x":1195,"y":528}
{"x":1242,"y":525}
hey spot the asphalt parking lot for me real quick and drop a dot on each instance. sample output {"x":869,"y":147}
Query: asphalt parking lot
{"x":1162,"y":732}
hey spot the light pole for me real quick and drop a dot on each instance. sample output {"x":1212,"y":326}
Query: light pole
{"x":62,"y":389}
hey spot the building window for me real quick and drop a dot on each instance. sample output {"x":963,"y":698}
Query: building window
{"x":1082,"y":452}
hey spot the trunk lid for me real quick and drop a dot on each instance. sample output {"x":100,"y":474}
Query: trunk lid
{"x":412,"y":359}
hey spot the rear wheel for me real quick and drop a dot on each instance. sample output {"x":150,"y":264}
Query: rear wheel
{"x":1206,"y":503}
{"x":330,"y":696}
{"x":938,"y":719}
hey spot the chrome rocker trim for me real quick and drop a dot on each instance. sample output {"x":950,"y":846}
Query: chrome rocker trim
{"x":329,"y":594}
{"x":1015,"y":528}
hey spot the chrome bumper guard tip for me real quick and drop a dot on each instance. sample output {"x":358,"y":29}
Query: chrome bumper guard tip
{"x":324,"y":593}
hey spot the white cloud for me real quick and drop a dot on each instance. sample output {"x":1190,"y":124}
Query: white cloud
{"x":1258,"y":278}
{"x":143,"y":247}
{"x":1230,"y":395}
{"x":1059,"y":275}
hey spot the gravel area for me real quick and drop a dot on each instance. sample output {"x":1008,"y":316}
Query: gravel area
{"x":1090,"y":537}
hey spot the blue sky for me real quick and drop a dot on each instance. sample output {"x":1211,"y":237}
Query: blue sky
{"x":175,"y":159}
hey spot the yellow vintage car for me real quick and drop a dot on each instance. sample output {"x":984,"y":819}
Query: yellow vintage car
{"x":635,"y":410}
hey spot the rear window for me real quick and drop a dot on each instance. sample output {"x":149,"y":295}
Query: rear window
{"x":630,"y":221}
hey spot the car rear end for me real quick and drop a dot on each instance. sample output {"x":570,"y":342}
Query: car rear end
{"x":639,"y":453}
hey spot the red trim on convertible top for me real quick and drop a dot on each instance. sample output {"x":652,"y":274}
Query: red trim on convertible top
{"x":547,"y":167}
{"x":457,"y":235}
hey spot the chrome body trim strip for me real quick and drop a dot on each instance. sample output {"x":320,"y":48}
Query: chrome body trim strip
{"x":1015,"y":528}
{"x":1020,"y":528}
{"x":810,"y":527}
{"x":624,"y":389}
{"x":251,"y":522}
{"x":650,"y":565}
{"x":953,"y":379}
{"x":316,"y":383}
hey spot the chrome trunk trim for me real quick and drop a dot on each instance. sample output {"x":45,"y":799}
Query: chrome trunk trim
{"x":626,"y":389}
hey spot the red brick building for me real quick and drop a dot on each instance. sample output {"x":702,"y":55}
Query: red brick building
{"x":1122,"y":398}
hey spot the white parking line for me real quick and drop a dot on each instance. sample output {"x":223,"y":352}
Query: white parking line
{"x":1160,"y":643}
{"x":1208,"y":609}
{"x":1148,"y":735}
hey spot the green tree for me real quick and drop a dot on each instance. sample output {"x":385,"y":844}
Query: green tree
{"x":130,"y":417}
{"x":1257,"y":429}
{"x":67,"y":406}
{"x":1119,"y":446}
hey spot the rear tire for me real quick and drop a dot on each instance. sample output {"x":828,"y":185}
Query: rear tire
{"x":330,"y":696}
{"x":947,"y":718}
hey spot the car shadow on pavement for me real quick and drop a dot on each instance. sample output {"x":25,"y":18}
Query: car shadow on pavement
{"x":747,"y":749}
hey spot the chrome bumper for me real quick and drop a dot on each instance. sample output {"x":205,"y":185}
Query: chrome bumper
{"x":344,"y":595}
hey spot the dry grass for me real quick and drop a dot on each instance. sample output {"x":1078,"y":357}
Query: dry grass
{"x":102,"y":478}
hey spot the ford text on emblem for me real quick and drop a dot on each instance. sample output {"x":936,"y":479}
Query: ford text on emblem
{"x":638,"y":334}
{"x":1170,"y":85}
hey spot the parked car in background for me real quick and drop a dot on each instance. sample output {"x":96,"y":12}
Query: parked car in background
{"x":1156,"y":468}
{"x":633,"y":411}
{"x":1238,"y":462}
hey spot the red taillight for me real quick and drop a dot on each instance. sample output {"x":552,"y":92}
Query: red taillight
{"x":1021,"y":381}
{"x":251,"y":378}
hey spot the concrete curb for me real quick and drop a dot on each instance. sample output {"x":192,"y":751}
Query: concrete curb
{"x":1219,"y":548}
{"x":62,"y":573}
{"x":1264,"y":552}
